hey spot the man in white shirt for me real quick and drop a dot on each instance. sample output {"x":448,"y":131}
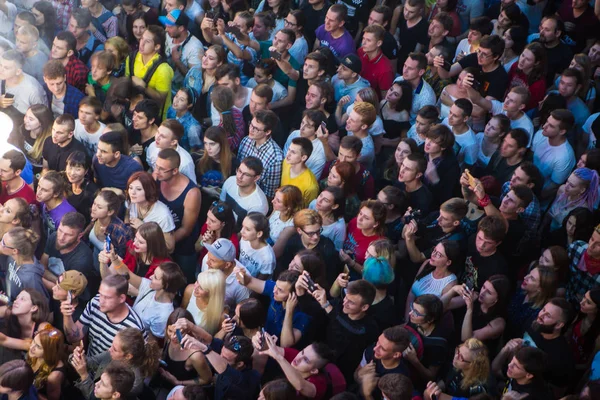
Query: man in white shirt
{"x":552,"y":153}
{"x":311,"y":121}
{"x":21,"y":90}
{"x":465,"y":144}
{"x":359,"y":121}
{"x":88,"y":127}
{"x":412,"y":72}
{"x":242,"y":193}
{"x":168,"y":136}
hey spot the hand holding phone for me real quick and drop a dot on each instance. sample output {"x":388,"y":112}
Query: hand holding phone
{"x":310,"y":283}
{"x":275,"y":55}
{"x":69,"y":297}
{"x":179,"y":337}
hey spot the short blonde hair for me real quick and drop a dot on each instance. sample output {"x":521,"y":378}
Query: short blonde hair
{"x":366,"y":111}
{"x":307,"y":217}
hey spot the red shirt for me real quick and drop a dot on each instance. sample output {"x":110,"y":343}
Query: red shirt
{"x":319,"y":380}
{"x":358,"y":243}
{"x":377,"y":71}
{"x":25,"y":192}
{"x":130,"y":260}
{"x":77,"y":73}
{"x":537,"y":89}
{"x":234,"y":239}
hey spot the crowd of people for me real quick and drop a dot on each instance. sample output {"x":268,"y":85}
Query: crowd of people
{"x":281,"y":199}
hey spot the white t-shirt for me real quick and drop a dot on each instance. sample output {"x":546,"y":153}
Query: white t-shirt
{"x":153,"y":313}
{"x":465,"y":146}
{"x":463,"y":47}
{"x":89,"y":140}
{"x":214,"y":114}
{"x":299,"y":50}
{"x":27,"y":93}
{"x":261,"y":261}
{"x":159,"y":213}
{"x":190,"y":56}
{"x":276,"y":225}
{"x":524,"y":122}
{"x":587,"y":128}
{"x":279,"y":91}
{"x":6,"y":21}
{"x":256,"y":201}
{"x":554,"y":162}
{"x":234,"y":292}
{"x":186,"y":167}
{"x":317,"y":160}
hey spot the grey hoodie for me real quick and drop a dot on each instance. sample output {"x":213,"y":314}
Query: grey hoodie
{"x":27,"y":276}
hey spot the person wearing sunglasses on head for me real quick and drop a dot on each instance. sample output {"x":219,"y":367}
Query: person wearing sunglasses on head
{"x":49,"y":370}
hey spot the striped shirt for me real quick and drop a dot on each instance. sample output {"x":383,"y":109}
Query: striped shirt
{"x":101,"y":331}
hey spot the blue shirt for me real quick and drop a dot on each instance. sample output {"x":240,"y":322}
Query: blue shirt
{"x":276,"y":314}
{"x":118,"y":175}
{"x":341,"y":89}
{"x":192,"y":130}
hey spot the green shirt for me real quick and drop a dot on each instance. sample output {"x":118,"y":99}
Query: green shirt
{"x":279,"y":75}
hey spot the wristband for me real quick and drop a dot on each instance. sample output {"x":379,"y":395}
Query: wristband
{"x":208,"y":350}
{"x":483,"y":203}
{"x":324,"y":306}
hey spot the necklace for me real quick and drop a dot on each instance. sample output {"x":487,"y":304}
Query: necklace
{"x":143,"y":214}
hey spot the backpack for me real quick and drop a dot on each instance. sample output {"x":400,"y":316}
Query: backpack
{"x":97,"y":22}
{"x":150,"y":72}
{"x":336,"y":383}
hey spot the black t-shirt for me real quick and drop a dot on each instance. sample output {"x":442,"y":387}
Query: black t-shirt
{"x":558,"y":58}
{"x":421,"y":199}
{"x":536,"y":389}
{"x":511,"y":246}
{"x":314,"y":19}
{"x":493,"y":83}
{"x":499,"y":168}
{"x":358,"y":11}
{"x":478,"y":269}
{"x":56,"y":156}
{"x":560,"y":364}
{"x":384,"y":313}
{"x":410,"y":37}
{"x":430,"y":234}
{"x":84,"y":200}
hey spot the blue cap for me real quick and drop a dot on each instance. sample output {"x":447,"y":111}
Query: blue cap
{"x":175,"y":17}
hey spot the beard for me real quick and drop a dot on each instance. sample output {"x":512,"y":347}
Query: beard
{"x":64,"y":246}
{"x":537,"y":327}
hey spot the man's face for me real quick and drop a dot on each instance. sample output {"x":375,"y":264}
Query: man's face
{"x":408,"y":171}
{"x":109,"y":300}
{"x":165,"y":138}
{"x":513,"y":103}
{"x":313,"y":98}
{"x":305,"y":361}
{"x":147,"y":45}
{"x":213,"y":262}
{"x":103,"y":388}
{"x":332,"y":21}
{"x":548,"y":318}
{"x":548,"y":32}
{"x":509,"y":147}
{"x":66,"y":237}
{"x":485,"y":57}
{"x":245,"y":177}
{"x":353,"y":304}
{"x":87,"y":116}
{"x":307,"y":128}
{"x":59,"y":50}
{"x":99,"y":71}
{"x":232,"y":84}
{"x":354,"y":122}
{"x":347,"y":155}
{"x":59,"y":293}
{"x":511,"y":204}
{"x":294,"y":154}
{"x":551,"y":128}
{"x":436,"y":29}
{"x":281,"y":42}
{"x":75,"y":29}
{"x":483,"y":244}
{"x":257,"y":131}
{"x":447,"y":221}
{"x":310,"y":234}
{"x":6,"y":172}
{"x":344,"y":72}
{"x":257,"y":103}
{"x":105,"y":153}
{"x":310,"y":69}
{"x":473,"y":37}
{"x":8,"y":69}
{"x":170,"y":5}
{"x":369,"y":42}
{"x":164,"y":170}
{"x":567,"y":86}
{"x":174,"y":31}
{"x":594,"y":53}
{"x":456,"y":116}
{"x":24,"y":43}
{"x":376,"y":18}
{"x":61,"y":134}
{"x":422,"y":125}
{"x":411,"y":13}
{"x":519,"y":177}
{"x":57,"y":86}
{"x":515,"y":370}
{"x":141,"y":121}
{"x":579,"y":4}
{"x":384,"y":349}
{"x":411,"y":70}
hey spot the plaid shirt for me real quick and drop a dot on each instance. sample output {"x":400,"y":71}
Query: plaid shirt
{"x":119,"y":234}
{"x":77,"y":73}
{"x":579,"y":281}
{"x":71,"y":100}
{"x":531,"y":216}
{"x":271,"y":156}
{"x":63,"y":10}
{"x":111,"y":27}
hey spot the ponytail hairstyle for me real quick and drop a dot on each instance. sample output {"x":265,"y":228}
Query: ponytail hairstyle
{"x":52,"y":342}
{"x":144,"y":355}
{"x":223,"y":212}
{"x":58,"y":181}
{"x":24,"y":240}
{"x":222,"y":98}
{"x":24,"y":213}
{"x":261,"y":224}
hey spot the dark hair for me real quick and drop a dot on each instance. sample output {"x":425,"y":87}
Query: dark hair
{"x":385,"y":11}
{"x":252,"y":313}
{"x":364,"y":289}
{"x":482,"y":25}
{"x":224,"y":213}
{"x":396,"y":197}
{"x":243,"y":348}
{"x":232,"y":71}
{"x":573,"y":73}
{"x":284,"y":9}
{"x":352,"y":143}
{"x":465,"y":106}
{"x":324,"y":352}
{"x":552,"y":101}
{"x":175,"y":127}
{"x":27,"y":16}
{"x":312,"y":263}
{"x":113,"y":200}
{"x":114,"y":139}
{"x":566,"y":311}
{"x":565,"y":117}
{"x":144,"y":354}
{"x":78,"y":159}
{"x":524,"y":194}
{"x":300,"y":18}
{"x":502,"y":287}
{"x":121,"y":377}
{"x":429,"y":112}
{"x":173,"y":278}
{"x":150,"y":108}
{"x":420,"y":160}
{"x":592,"y":160}
{"x":170,"y":155}
{"x":254,"y":164}
{"x":433,"y":306}
{"x":445,"y":19}
{"x":519,"y":135}
{"x":539,"y":52}
{"x":16,"y":158}
{"x":159,"y":37}
{"x":399,"y":336}
{"x":453,"y":254}
{"x":419,"y":58}
{"x":396,"y":386}
{"x":279,"y":389}
{"x":48,"y":28}
{"x":119,"y":282}
{"x":584,"y":223}
{"x":82,"y":16}
{"x":405,"y":101}
{"x":518,"y":34}
{"x":533,"y":360}
{"x":261,"y":224}
{"x":341,"y":10}
{"x":66,"y":36}
{"x":16,"y":375}
{"x":535,"y":176}
{"x":494,"y":43}
{"x":306,"y":147}
{"x":443,"y":136}
{"x":494,"y":228}
{"x":268,"y":118}
{"x":73,"y":219}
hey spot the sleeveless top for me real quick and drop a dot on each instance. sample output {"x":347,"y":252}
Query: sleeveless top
{"x":42,"y":389}
{"x":393,"y":129}
{"x":177,"y":368}
{"x":197,"y":313}
{"x":430,"y":285}
{"x":185,"y":246}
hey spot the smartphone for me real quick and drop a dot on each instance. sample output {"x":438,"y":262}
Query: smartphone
{"x":228,"y":319}
{"x":471,"y":179}
{"x":9,"y":96}
{"x":469,"y":286}
{"x":69,"y":297}
{"x":311,"y":284}
{"x":346,"y":271}
{"x":179,"y":337}
{"x":447,"y":65}
{"x":323,"y":126}
{"x":107,"y":244}
{"x":275,"y":55}
{"x":263,"y":342}
{"x":234,"y":30}
{"x":210,"y":15}
{"x":163,"y":363}
{"x":476,"y":85}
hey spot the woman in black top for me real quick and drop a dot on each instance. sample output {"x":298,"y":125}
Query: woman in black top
{"x":45,"y":357}
{"x":83,"y":190}
{"x":30,"y":137}
{"x":394,"y":111}
{"x":443,"y":172}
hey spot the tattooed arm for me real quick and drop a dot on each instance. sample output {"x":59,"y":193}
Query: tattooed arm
{"x":75,"y":331}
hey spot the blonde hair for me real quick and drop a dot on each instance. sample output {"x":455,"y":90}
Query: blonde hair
{"x":479,"y":369}
{"x":386,"y":249}
{"x":367,"y":112}
{"x":307,"y":217}
{"x":213,"y":282}
{"x":24,"y":240}
{"x":121,"y":46}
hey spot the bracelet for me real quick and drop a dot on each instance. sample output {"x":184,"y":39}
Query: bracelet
{"x":324,"y":306}
{"x":201,"y":243}
{"x":208,"y":350}
{"x":484,"y":202}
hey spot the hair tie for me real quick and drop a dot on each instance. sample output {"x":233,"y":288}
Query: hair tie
{"x":226,"y":112}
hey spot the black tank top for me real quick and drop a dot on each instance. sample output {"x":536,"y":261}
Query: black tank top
{"x":177,"y":368}
{"x":185,"y":246}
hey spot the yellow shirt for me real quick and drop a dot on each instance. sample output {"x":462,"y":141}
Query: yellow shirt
{"x":306,"y":182}
{"x":160,"y":81}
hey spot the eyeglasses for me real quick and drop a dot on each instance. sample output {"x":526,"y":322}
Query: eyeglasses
{"x":244,"y":174}
{"x":164,"y":171}
{"x":437,"y":254}
{"x":220,"y":207}
{"x":482,"y":54}
{"x":254,"y":128}
{"x":3,"y":243}
{"x":287,"y":22}
{"x":314,"y":233}
{"x":460,"y":356}
{"x":415,"y":312}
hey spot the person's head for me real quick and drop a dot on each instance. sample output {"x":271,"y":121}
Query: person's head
{"x":249,"y":172}
{"x":283,"y":40}
{"x":371,"y":217}
{"x":264,"y":71}
{"x":579,"y":224}
{"x":118,"y":47}
{"x":220,"y":219}
{"x":145,"y":114}
{"x":396,"y":386}
{"x":394,"y":199}
{"x":106,"y":204}
{"x":238,"y":350}
{"x":311,"y":121}
{"x":16,"y":378}
{"x":51,"y":186}
{"x":570,"y":83}
{"x":478,"y":28}
{"x":373,"y":38}
{"x":532,"y":61}
{"x":260,"y":98}
{"x":439,"y":139}
{"x":69,"y":281}
{"x":594,"y":243}
{"x":440,"y":25}
{"x":168,"y":277}
{"x":452,"y":211}
{"x":342,"y":175}
{"x":295,"y":20}
{"x":497,"y":127}
{"x":11,"y":63}
{"x":113,"y":293}
{"x":152,"y":41}
{"x":540,"y":284}
{"x":514,"y":144}
{"x":221,"y":255}
{"x":412,"y":168}
{"x":90,"y":109}
{"x":590,"y":303}
{"x":558,"y":124}
{"x":471,"y":358}
{"x":16,"y":212}
{"x":116,"y":381}
{"x":210,"y":286}
{"x":150,"y":240}
{"x":516,"y":100}
{"x":491,"y":231}
{"x":494,"y":293}
{"x":262,"y":126}
{"x":103,"y":64}
{"x":299,"y":151}
{"x":228,"y":75}
{"x":38,"y":120}
{"x":426,"y":117}
{"x":336,"y":17}
{"x":528,"y":364}
{"x":380,"y":15}
{"x":264,"y":23}
{"x":391,"y":343}
{"x":45,"y":15}
{"x":400,"y":96}
{"x":527,"y":174}
{"x":142,"y":188}
{"x":80,"y":21}
{"x":214,"y":57}
{"x":413,"y":9}
{"x":175,"y":23}
{"x":279,"y":389}
{"x":510,"y":15}
{"x":438,"y":50}
{"x":309,"y":261}
{"x":167,"y":165}
{"x":426,"y":309}
{"x":169,"y":134}
{"x":406,"y":147}
{"x":362,"y":117}
{"x":216,"y":147}
{"x":318,"y":95}
{"x":460,"y":112}
{"x":26,"y":39}
{"x":185,"y":99}
{"x":250,"y":314}
{"x":594,"y":53}
{"x":63,"y":130}
{"x":551,"y":29}
{"x":287,"y":200}
{"x":315,"y":65}
{"x":23,"y":18}
{"x":490,"y":50}
{"x":309,"y":225}
{"x":255,"y":227}
{"x":556,"y":257}
{"x":516,"y":200}
{"x":554,"y":317}
{"x":285,"y":285}
{"x":12,"y":164}
{"x":359,"y":297}
{"x":48,"y":346}
{"x":70,"y":230}
{"x":332,"y":199}
{"x":378,"y":272}
{"x":446,"y":255}
{"x":582,"y":184}
{"x":33,"y":303}
{"x":414,"y":67}
{"x":64,"y":46}
{"x":515,"y":38}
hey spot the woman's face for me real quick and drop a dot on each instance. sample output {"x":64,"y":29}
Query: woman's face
{"x":334,"y":179}
{"x":546,"y":259}
{"x":365,"y":219}
{"x":136,"y":192}
{"x":112,"y":50}
{"x":462,"y":358}
{"x":570,"y":225}
{"x":181,"y":102}
{"x":213,"y":223}
{"x":417,"y":314}
{"x":31,"y":122}
{"x":290,"y":22}
{"x":212,"y":148}
{"x":8,"y":211}
{"x":116,"y":349}
{"x":574,"y":64}
{"x":508,"y":42}
{"x":460,"y":79}
{"x":488,"y":294}
{"x":531,"y":282}
{"x":394,"y":94}
{"x":307,"y":128}
{"x":139,"y":244}
{"x":75,"y":173}
{"x":199,"y":291}
{"x":248,"y":231}
{"x":99,"y":208}
{"x":225,"y":6}
{"x":296,"y":264}
{"x":139,"y":27}
{"x":439,"y":257}
{"x":402,"y":151}
{"x":261,"y":75}
{"x":274,"y":3}
{"x":503,"y":20}
{"x":213,"y":3}
{"x":492,"y":129}
{"x":35,"y":349}
{"x":278,"y":202}
{"x":325,"y":202}
{"x":582,"y":161}
{"x":210,"y":60}
{"x":23,"y":304}
{"x":39,"y":17}
{"x":432,"y":147}
{"x":574,"y":187}
{"x":526,"y":60}
{"x":156,"y":279}
{"x":587,"y":304}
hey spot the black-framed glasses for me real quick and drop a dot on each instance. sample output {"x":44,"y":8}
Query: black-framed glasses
{"x":219,"y":206}
{"x":255,"y":128}
{"x":3,"y":243}
{"x":415,"y":312}
{"x":482,"y":54}
{"x":287,"y":22}
{"x":244,"y":174}
{"x":313,"y":233}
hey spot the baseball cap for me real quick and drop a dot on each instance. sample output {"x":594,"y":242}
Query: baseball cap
{"x":175,"y":17}
{"x":353,"y":62}
{"x":223,"y":249}
{"x":73,"y":281}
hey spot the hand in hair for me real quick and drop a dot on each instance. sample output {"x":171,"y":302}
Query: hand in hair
{"x":184,"y":325}
{"x":291,"y":303}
